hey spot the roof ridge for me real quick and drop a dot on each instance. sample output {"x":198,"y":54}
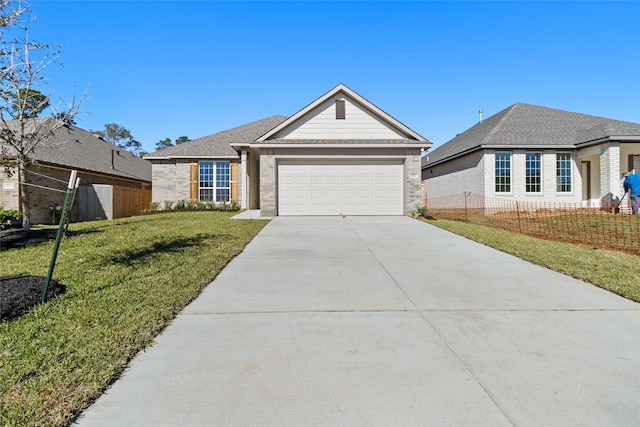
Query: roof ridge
{"x":558,"y":110}
{"x":501,"y":116}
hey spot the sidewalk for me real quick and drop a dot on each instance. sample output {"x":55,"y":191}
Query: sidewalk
{"x":384,"y":321}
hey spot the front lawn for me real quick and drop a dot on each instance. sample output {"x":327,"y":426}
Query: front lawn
{"x":126,"y":280}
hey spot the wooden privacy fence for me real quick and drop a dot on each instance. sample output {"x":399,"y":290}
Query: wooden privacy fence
{"x":101,"y":201}
{"x":558,"y":221}
{"x":128,"y":201}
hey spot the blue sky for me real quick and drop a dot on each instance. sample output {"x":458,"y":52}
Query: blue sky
{"x":170,"y":68}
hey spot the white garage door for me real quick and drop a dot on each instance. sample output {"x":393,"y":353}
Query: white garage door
{"x":340,"y":188}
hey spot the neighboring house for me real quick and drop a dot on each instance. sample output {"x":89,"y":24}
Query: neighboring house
{"x":113,"y":182}
{"x":339,"y":155}
{"x":532,"y":153}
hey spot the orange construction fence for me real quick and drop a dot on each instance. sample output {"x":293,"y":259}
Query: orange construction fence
{"x":558,"y":221}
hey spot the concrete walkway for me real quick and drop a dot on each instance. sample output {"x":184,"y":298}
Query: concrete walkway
{"x":384,"y":321}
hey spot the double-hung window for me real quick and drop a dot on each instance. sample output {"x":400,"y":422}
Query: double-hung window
{"x":563,"y":172}
{"x":214,"y":181}
{"x":533,"y":172}
{"x":503,"y":172}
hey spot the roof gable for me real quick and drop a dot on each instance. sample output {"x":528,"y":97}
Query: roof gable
{"x":530,"y":126}
{"x":363,"y":121}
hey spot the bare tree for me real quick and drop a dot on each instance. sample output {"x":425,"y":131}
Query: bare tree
{"x":22,"y":65}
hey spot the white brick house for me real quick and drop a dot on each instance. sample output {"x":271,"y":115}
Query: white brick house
{"x":537,"y":154}
{"x":339,"y":155}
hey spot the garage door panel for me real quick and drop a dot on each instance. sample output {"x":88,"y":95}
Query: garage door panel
{"x":340,"y":188}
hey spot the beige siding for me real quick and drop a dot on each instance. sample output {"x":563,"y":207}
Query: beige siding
{"x":321,"y":123}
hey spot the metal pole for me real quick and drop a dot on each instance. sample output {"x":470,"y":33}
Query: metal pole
{"x":73,"y":199}
{"x":56,"y":245}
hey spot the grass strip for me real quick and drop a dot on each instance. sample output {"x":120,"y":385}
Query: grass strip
{"x":614,"y":271}
{"x":126,"y":280}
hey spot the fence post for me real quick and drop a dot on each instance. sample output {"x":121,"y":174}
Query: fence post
{"x":56,"y":245}
{"x":518,"y":213}
{"x":466,"y":213}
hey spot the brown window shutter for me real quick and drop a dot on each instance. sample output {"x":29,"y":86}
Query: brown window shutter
{"x":233,"y":183}
{"x":340,"y":110}
{"x":193,"y":182}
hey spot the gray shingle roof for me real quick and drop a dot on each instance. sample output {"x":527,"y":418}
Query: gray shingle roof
{"x":218,"y":143}
{"x":76,"y":148}
{"x":525,"y":125}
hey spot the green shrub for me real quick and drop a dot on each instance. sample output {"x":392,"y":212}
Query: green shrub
{"x":190,"y":205}
{"x":154,"y":207}
{"x":8,"y":215}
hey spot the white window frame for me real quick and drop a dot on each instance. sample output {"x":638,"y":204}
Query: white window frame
{"x":559,"y":169}
{"x":216,"y":181}
{"x":508,"y":164}
{"x":529,"y":178}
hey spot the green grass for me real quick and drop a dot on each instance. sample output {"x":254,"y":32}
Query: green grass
{"x":614,"y":271}
{"x":126,"y":280}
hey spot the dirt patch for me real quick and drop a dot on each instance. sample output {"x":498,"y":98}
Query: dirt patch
{"x":18,"y":238}
{"x":19,"y":293}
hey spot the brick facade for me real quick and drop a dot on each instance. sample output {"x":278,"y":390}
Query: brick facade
{"x":475,"y":173}
{"x":412,"y":190}
{"x":465,"y":173}
{"x":609,"y":173}
{"x":54,"y":178}
{"x":268,"y":172}
{"x":9,"y":191}
{"x":171,"y":179}
{"x":549,"y":191}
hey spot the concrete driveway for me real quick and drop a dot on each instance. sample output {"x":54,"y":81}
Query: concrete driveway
{"x":388,"y":321}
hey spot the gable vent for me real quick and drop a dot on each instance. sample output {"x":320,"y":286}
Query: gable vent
{"x":340,"y":110}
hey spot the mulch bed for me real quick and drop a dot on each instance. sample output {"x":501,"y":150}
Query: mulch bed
{"x":18,"y":238}
{"x":19,"y":293}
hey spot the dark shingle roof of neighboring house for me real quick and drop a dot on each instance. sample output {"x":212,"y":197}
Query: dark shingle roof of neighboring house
{"x":218,"y":144}
{"x":530,"y":126}
{"x":75,"y":148}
